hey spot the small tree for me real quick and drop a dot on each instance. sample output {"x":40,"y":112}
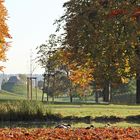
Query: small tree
{"x":45,"y":59}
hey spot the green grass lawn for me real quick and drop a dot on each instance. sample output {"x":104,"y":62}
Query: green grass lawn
{"x":96,"y":110}
{"x":120,"y":124}
{"x":81,"y":110}
{"x":6,"y":96}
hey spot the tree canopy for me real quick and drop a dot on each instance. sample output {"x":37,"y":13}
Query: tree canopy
{"x":103,"y":31}
{"x":4,"y":33}
{"x":107,"y":33}
{"x":100,"y":42}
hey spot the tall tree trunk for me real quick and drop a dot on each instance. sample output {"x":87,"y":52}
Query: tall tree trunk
{"x":138,"y":75}
{"x":70,"y":87}
{"x":96,"y":96}
{"x":28,"y":88}
{"x":47,"y":97}
{"x":48,"y":86}
{"x":52,"y":98}
{"x":43,"y":91}
{"x":138,"y":90}
{"x":71,"y":99}
{"x":53,"y":89}
{"x":107,"y":92}
{"x":31,"y":88}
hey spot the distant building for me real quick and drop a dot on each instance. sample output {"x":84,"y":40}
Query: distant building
{"x":14,"y":80}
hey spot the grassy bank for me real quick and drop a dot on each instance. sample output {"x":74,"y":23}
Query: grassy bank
{"x":78,"y":114}
{"x":117,"y":115}
{"x":22,"y":111}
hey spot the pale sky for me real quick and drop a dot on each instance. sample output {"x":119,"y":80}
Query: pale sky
{"x":30,"y":23}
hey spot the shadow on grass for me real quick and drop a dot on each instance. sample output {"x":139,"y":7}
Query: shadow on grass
{"x":51,"y":120}
{"x":89,"y":119}
{"x":58,"y":118}
{"x":133,"y":119}
{"x":110,"y":119}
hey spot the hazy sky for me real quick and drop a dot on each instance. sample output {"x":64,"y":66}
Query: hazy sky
{"x":30,"y":23}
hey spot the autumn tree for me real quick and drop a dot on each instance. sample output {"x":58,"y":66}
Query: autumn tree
{"x":79,"y":75}
{"x":45,"y":59}
{"x":3,"y":32}
{"x":59,"y":72}
{"x":106,"y":31}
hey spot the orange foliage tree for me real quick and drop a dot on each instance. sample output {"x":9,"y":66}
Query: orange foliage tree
{"x":3,"y":32}
{"x":109,"y":32}
{"x":80,"y":72}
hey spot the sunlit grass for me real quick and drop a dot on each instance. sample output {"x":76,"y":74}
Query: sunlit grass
{"x":6,"y":96}
{"x":95,"y":124}
{"x":96,"y":110}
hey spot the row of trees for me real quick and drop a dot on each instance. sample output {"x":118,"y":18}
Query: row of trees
{"x":100,"y":43}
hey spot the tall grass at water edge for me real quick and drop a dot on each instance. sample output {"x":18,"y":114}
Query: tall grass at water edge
{"x":23,"y":111}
